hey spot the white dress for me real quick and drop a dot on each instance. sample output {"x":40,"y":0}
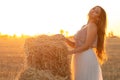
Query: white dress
{"x":85,"y":65}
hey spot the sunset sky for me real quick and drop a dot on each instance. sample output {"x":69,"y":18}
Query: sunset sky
{"x":49,"y":16}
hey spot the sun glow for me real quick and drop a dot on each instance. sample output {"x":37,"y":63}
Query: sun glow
{"x":50,"y":16}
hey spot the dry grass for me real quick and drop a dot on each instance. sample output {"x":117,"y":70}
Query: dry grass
{"x":35,"y":74}
{"x":48,"y":53}
{"x":111,"y":69}
{"x":12,"y":57}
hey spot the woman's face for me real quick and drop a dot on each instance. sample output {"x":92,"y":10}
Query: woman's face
{"x":95,"y":13}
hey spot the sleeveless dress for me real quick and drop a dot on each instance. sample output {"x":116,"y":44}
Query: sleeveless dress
{"x":85,"y":65}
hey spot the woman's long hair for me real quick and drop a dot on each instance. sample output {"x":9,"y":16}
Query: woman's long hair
{"x":102,"y":23}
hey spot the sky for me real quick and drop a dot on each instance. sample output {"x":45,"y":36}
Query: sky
{"x":49,"y":16}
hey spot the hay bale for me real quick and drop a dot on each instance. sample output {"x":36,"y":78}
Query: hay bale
{"x":48,"y":53}
{"x":35,"y":74}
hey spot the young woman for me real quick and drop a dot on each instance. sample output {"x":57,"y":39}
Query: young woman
{"x":86,"y":62}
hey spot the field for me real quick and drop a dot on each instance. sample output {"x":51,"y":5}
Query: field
{"x":12,"y":58}
{"x":111,"y":69}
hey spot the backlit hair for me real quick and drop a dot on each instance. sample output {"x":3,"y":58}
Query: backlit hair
{"x":101,"y":32}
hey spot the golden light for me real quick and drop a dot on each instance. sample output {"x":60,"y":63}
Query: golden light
{"x":49,"y":16}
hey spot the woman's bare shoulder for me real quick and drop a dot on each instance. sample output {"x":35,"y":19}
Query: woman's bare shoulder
{"x":92,"y":26}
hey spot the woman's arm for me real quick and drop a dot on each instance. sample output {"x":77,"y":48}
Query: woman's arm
{"x":70,"y":43}
{"x":91,"y":35}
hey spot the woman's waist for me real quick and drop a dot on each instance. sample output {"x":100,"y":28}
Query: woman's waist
{"x":91,"y":47}
{"x":81,"y":43}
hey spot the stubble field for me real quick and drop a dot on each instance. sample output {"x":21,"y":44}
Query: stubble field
{"x":12,"y":58}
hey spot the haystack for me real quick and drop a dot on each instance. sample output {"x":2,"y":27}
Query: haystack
{"x":48,"y":53}
{"x":35,"y":74}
